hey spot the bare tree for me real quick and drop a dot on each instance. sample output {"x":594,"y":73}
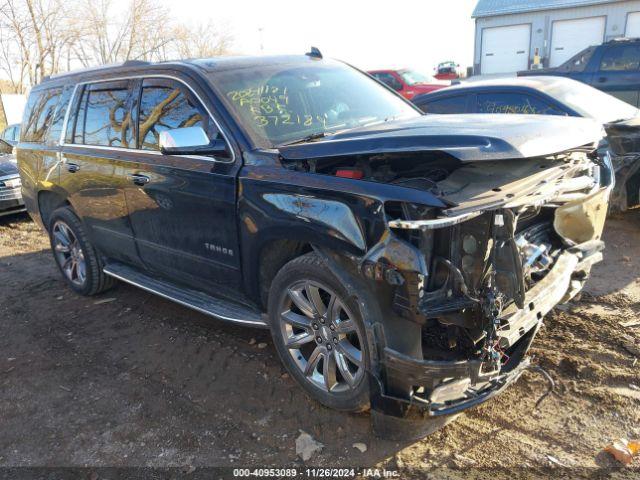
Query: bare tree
{"x":202,"y":40}
{"x":42,"y":37}
{"x":33,"y":37}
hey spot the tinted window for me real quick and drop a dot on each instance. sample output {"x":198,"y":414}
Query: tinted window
{"x":579,"y":61}
{"x":620,"y":58}
{"x":53,"y":136}
{"x":165,"y":105}
{"x":39,"y":114}
{"x":104,"y":117}
{"x":445,"y":105}
{"x":389,"y":79}
{"x":515,"y":103}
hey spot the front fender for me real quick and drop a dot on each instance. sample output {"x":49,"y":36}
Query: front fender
{"x":343,"y":215}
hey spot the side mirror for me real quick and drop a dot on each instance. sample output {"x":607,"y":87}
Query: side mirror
{"x":190,"y":141}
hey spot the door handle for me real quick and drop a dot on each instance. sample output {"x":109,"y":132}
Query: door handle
{"x":602,"y":79}
{"x":73,"y":167}
{"x":139,"y":180}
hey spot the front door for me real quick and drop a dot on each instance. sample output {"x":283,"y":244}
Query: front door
{"x":182,"y":208}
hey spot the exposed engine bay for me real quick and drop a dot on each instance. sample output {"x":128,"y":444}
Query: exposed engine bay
{"x":517,"y":238}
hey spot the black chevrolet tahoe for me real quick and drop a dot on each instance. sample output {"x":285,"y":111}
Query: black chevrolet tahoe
{"x":403,"y":262}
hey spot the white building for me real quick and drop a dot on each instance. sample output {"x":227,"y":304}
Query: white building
{"x":509,"y":33}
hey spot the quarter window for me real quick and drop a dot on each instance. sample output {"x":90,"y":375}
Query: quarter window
{"x":166,"y":105}
{"x":104,"y":117}
{"x":38,"y":114}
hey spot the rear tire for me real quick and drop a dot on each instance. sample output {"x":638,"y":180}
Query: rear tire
{"x":77,"y":260}
{"x":319,"y":334}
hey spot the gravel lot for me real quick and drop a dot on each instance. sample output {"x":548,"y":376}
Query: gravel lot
{"x":129,"y":379}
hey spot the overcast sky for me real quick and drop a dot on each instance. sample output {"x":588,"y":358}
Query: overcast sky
{"x":368,"y":34}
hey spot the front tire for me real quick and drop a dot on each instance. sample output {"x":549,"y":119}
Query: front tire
{"x":319,"y":334}
{"x":77,"y":259}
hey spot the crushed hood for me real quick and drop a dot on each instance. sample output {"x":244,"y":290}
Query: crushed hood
{"x":466,"y":137}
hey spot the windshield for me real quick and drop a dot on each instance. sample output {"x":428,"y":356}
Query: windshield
{"x":285,"y":103}
{"x":412,"y":77}
{"x":591,"y":102}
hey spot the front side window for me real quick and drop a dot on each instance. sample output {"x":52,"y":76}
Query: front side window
{"x":166,"y":105}
{"x":448,"y":105}
{"x":283,"y":103}
{"x":579,"y":62}
{"x":104,"y":118}
{"x":620,"y":58}
{"x":515,"y":103}
{"x":39,"y":113}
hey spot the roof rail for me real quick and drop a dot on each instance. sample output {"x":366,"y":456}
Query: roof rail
{"x":135,"y":63}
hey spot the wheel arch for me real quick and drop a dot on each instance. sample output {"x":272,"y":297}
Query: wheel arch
{"x":48,"y":202}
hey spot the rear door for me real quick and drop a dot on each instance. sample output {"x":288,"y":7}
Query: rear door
{"x":182,"y":208}
{"x":619,"y":71}
{"x":94,"y":162}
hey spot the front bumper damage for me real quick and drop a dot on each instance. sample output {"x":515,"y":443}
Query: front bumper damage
{"x":504,"y":320}
{"x":463,"y":384}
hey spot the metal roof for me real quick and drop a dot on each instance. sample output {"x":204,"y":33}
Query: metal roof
{"x":489,"y":8}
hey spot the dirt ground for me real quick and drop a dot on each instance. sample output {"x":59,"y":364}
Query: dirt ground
{"x":129,"y":379}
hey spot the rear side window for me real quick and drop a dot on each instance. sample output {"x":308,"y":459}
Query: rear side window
{"x":39,"y":114}
{"x":165,"y":105}
{"x":55,"y":130}
{"x":620,"y":58}
{"x":515,"y":103}
{"x":104,"y":117}
{"x":456,"y":104}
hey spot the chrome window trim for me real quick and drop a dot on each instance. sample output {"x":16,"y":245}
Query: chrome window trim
{"x":65,"y":122}
{"x":136,"y":150}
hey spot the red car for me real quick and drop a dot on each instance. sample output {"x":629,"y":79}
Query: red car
{"x":408,"y":83}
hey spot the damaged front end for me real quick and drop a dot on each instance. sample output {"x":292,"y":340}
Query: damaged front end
{"x":478,"y":277}
{"x":454,"y":292}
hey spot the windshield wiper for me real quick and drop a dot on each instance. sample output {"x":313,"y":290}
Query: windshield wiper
{"x":308,"y":138}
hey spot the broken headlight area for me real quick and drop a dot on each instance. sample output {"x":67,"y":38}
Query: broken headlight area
{"x":520,"y":238}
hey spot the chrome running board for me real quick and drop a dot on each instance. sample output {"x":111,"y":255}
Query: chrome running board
{"x":213,"y":306}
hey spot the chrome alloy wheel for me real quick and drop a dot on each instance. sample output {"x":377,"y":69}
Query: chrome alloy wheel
{"x":68,"y":253}
{"x":321,"y":336}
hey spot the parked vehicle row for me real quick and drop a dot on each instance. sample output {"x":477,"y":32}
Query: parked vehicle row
{"x":408,"y":83}
{"x":554,"y":96}
{"x":613,"y":67}
{"x":403,"y":262}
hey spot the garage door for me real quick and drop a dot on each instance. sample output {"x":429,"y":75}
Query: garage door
{"x":568,"y":37}
{"x":633,"y":25}
{"x":505,"y":49}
